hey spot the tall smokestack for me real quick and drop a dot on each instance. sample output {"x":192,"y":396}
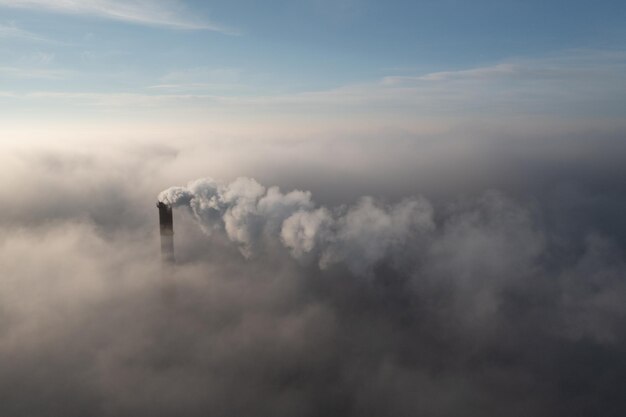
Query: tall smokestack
{"x":166,"y":221}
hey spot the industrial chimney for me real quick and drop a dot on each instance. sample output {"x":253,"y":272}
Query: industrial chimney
{"x":166,"y":221}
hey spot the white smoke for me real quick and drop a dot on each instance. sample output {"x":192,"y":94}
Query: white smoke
{"x":359,"y":236}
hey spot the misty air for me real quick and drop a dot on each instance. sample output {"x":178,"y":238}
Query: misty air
{"x":347,"y":208}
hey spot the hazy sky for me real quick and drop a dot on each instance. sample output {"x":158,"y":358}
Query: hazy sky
{"x":381,"y":208}
{"x":347,"y":63}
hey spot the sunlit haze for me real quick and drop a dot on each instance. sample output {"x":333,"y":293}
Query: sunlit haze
{"x":366,"y":208}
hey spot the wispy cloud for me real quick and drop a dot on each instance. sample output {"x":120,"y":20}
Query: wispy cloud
{"x":196,"y":87}
{"x":201,"y":79}
{"x":34,"y":73}
{"x":38,"y":58}
{"x":204,"y":74}
{"x":112,"y":100}
{"x":575,"y":64}
{"x":499,"y":70}
{"x":566,"y":86}
{"x":14,"y":32}
{"x":519,"y":70}
{"x":155,"y":12}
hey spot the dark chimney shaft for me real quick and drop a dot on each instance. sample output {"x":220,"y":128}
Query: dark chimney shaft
{"x":166,"y":221}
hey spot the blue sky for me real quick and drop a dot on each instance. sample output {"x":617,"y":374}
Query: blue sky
{"x":393,"y":59}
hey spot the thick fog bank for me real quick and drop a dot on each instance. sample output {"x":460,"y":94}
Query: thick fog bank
{"x":320,"y":283}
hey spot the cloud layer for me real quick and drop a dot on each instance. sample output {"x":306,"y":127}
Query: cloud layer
{"x":472,"y":301}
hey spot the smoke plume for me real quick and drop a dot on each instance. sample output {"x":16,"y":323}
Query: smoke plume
{"x":251,"y":215}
